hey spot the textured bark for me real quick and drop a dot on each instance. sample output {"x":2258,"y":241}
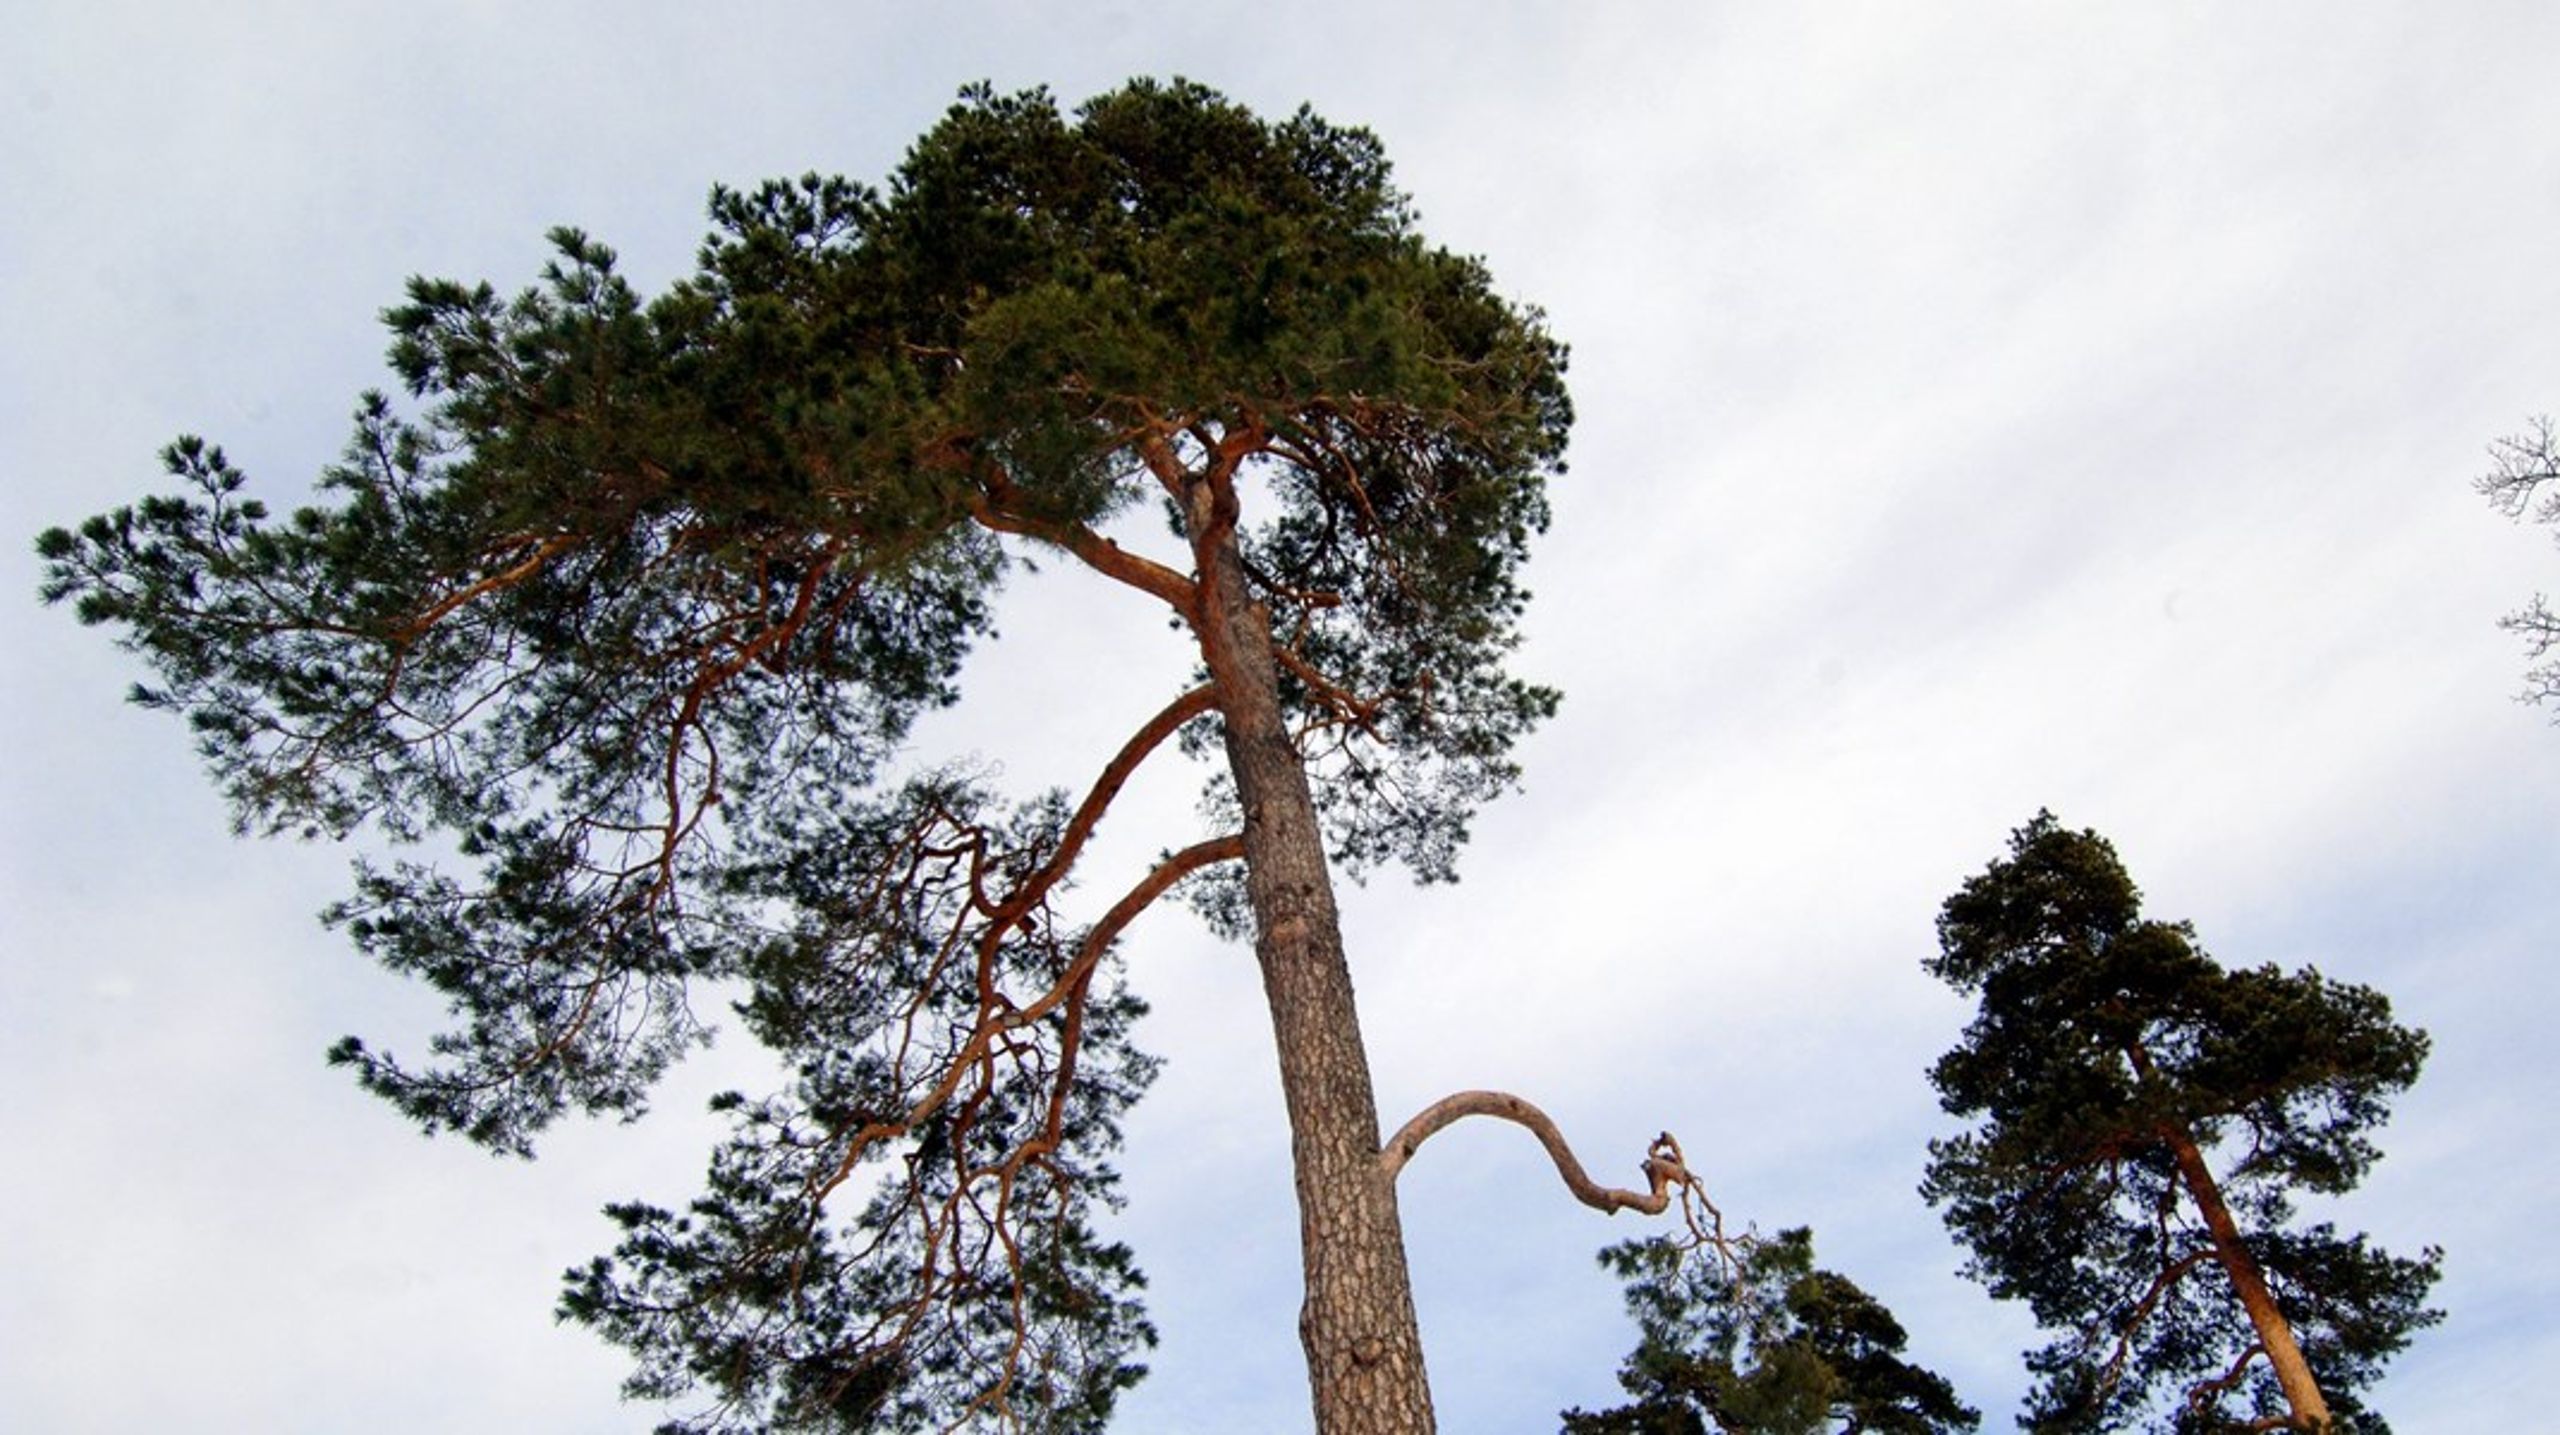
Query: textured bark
{"x":1363,"y":1343}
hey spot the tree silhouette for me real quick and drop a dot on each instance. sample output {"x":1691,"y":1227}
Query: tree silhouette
{"x":614,"y":630}
{"x":1749,"y":1337}
{"x":2143,"y":1121}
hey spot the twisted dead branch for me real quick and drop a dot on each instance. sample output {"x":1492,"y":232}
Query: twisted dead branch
{"x":1663,"y":1167}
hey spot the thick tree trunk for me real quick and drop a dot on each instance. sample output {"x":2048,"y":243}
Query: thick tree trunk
{"x":1363,"y":1343}
{"x":2293,"y":1373}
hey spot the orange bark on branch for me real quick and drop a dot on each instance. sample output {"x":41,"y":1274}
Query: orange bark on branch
{"x":543,"y":553}
{"x":1095,"y":551}
{"x":1097,"y":801}
{"x":993,"y":1024}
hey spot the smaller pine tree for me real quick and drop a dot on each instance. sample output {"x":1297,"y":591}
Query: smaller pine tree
{"x":2143,"y":1120}
{"x":1754,"y":1339}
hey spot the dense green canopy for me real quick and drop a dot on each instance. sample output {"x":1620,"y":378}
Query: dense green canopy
{"x":2105,"y":1040}
{"x":615,"y":627}
{"x":1759,"y":1341}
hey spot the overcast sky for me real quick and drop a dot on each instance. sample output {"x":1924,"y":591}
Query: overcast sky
{"x":1983,"y":407}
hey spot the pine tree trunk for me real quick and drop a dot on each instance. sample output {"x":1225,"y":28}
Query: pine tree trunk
{"x":1363,"y":1343}
{"x":2293,"y":1373}
{"x":2275,"y":1333}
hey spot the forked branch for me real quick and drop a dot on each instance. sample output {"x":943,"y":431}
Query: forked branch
{"x":1663,"y":1167}
{"x":2525,"y":462}
{"x":2207,"y":1394}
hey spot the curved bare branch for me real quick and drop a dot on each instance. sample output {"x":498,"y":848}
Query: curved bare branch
{"x":1089,"y":813}
{"x":1663,"y":1167}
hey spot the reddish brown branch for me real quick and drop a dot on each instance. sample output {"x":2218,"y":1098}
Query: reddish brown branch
{"x":706,"y":683}
{"x":1137,"y":899}
{"x":2161,"y":1285}
{"x":1073,"y":981}
{"x":1359,"y":712}
{"x":1662,"y":1167}
{"x":2207,"y":1393}
{"x":1161,"y":460}
{"x":1088,"y":814}
{"x":1095,"y":551}
{"x":543,"y":553}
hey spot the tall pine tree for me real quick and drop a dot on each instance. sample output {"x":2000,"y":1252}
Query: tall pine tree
{"x":615,"y":626}
{"x":2142,"y":1122}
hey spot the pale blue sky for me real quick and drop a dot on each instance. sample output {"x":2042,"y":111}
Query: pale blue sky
{"x":1982,"y":407}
